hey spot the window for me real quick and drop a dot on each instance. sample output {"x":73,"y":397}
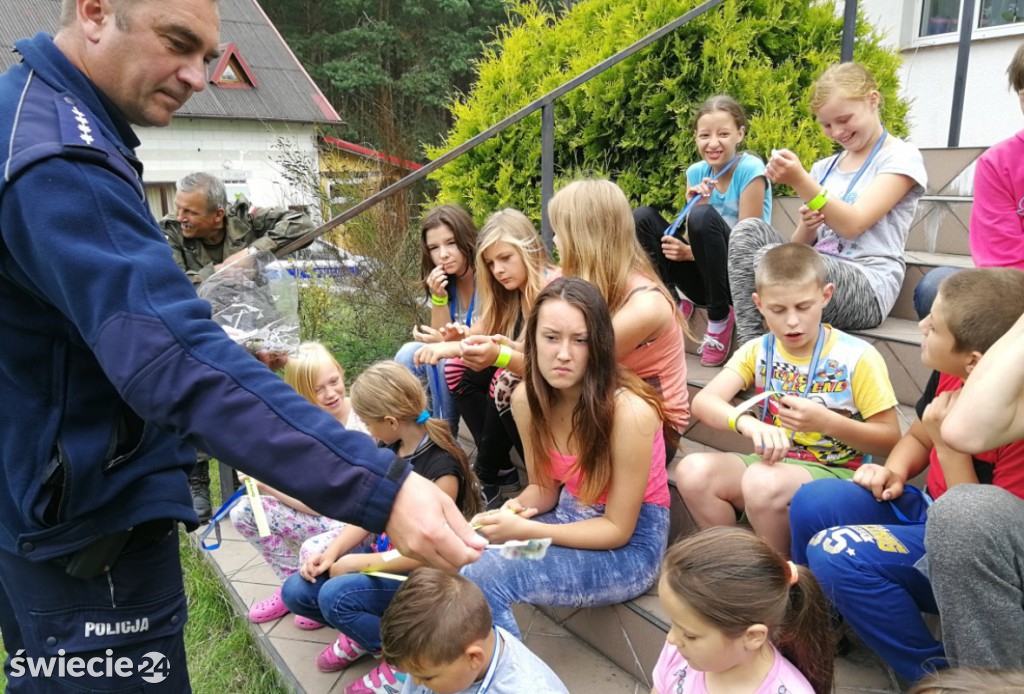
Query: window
{"x":942,"y":17}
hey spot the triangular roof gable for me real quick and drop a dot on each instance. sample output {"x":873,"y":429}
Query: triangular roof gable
{"x":231,"y":71}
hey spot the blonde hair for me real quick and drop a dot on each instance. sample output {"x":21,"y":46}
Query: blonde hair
{"x":388,"y":389}
{"x":597,"y":238}
{"x":847,"y":81}
{"x":503,"y":311}
{"x":302,"y":371}
{"x":973,"y":680}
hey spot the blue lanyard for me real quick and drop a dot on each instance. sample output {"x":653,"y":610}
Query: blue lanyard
{"x":493,"y":667}
{"x":453,"y":309}
{"x":214,"y":526}
{"x":671,"y":231}
{"x":769,"y":362}
{"x":863,"y":167}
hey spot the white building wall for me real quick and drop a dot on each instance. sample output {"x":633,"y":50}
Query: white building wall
{"x":247,"y":155}
{"x":991,"y":111}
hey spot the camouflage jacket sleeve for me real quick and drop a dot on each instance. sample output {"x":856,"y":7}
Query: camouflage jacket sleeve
{"x":172,"y":232}
{"x":275,"y":227}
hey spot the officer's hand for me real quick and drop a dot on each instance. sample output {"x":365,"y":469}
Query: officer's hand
{"x":426,"y":524}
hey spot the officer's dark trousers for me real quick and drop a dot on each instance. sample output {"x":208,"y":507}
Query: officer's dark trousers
{"x":133,"y":614}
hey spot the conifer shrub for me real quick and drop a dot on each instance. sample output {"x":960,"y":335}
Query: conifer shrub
{"x":634,"y":122}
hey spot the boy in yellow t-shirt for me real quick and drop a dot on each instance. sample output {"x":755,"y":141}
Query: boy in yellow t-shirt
{"x":799,"y":433}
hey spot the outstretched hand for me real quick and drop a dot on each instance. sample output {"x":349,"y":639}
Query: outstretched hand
{"x":426,"y":524}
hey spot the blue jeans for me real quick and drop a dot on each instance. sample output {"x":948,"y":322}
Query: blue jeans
{"x":441,"y":406}
{"x":353,"y":604}
{"x":568,"y":577}
{"x":928,"y":288}
{"x":866,"y":559}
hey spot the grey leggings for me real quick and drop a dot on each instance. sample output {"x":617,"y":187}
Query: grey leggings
{"x":853,"y":306}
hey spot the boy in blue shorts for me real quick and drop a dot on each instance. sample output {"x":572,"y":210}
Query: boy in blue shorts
{"x":826,"y":408}
{"x":865,"y":540}
{"x":439,"y":629}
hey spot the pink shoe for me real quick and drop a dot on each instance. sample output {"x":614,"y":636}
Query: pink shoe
{"x":268,"y":610}
{"x":307,"y":624}
{"x":383,"y":679}
{"x":716,"y":345}
{"x":339,"y":654}
{"x":686,"y":308}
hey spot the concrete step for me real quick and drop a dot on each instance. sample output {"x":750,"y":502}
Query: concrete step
{"x":920,"y":263}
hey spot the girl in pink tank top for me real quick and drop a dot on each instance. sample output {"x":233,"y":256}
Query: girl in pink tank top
{"x":592,"y":437}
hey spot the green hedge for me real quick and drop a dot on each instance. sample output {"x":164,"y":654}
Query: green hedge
{"x":634,"y":122}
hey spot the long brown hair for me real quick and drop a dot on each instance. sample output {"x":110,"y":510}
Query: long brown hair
{"x":594,"y":415}
{"x":734,"y":579}
{"x":463,"y":228}
{"x":500,"y":309}
{"x":388,"y":389}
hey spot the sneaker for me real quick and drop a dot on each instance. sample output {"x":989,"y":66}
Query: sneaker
{"x":715,"y":347}
{"x":340,"y":654}
{"x":199,"y":485}
{"x":508,"y":482}
{"x":492,"y":496}
{"x":268,"y":610}
{"x":307,"y":624}
{"x":383,"y":679}
{"x":686,"y":308}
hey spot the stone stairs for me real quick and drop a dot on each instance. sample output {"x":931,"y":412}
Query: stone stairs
{"x":612,"y":650}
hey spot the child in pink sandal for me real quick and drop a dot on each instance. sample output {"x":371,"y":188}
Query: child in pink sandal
{"x":297,"y":531}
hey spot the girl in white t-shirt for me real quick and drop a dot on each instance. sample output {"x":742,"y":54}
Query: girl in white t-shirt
{"x":858,"y":206}
{"x":743,"y":619}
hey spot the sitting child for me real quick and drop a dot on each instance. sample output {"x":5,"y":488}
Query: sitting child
{"x":830,"y":408}
{"x":743,"y":619}
{"x":439,"y":629}
{"x":336,"y":589}
{"x":296,"y":530}
{"x":865,"y":553}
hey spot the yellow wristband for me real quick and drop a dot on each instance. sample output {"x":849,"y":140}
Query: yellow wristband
{"x":745,"y":407}
{"x":818,"y":201}
{"x":734,"y":417}
{"x":439,"y":300}
{"x":504,"y":356}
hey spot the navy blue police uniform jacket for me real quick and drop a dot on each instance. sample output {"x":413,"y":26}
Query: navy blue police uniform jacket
{"x":111,"y":371}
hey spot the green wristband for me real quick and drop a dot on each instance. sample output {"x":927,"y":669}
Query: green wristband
{"x":818,"y":201}
{"x":504,"y":356}
{"x":439,"y":300}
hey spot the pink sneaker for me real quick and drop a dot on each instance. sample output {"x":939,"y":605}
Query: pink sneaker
{"x":340,"y":654}
{"x":686,"y":308}
{"x":268,"y":610}
{"x":307,"y":624}
{"x":383,"y":679}
{"x":715,"y":347}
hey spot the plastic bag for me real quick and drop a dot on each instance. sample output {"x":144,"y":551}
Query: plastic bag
{"x":256,"y":301}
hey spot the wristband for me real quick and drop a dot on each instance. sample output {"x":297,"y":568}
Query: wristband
{"x":504,"y":356}
{"x":439,"y":300}
{"x":818,"y":201}
{"x":734,"y":418}
{"x":745,"y":407}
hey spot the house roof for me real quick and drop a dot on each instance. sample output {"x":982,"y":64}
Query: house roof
{"x":285,"y":91}
{"x":368,"y":153}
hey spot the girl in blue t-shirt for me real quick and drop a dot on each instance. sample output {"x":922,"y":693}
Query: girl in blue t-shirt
{"x":691,"y":254}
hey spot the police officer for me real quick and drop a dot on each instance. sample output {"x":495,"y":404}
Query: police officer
{"x":112,"y":371}
{"x":205,"y":234}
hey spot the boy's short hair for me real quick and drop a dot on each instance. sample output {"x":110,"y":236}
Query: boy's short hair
{"x":433,"y":618}
{"x":979,"y":305}
{"x":789,"y":263}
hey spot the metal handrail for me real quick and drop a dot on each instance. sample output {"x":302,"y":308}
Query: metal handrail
{"x":545,"y":102}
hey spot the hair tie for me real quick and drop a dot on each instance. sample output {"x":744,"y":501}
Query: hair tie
{"x":424,"y":416}
{"x":794,"y":574}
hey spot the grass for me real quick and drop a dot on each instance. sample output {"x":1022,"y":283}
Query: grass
{"x":223,"y":656}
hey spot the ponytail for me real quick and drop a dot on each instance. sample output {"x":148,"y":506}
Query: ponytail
{"x":806,"y":636}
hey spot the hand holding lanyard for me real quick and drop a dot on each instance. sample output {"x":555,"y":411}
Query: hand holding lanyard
{"x":692,"y":202}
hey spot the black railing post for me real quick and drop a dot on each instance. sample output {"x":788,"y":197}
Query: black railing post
{"x":849,"y":30}
{"x":963,"y":54}
{"x":547,"y":170}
